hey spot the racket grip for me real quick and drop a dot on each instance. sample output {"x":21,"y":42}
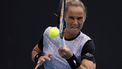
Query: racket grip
{"x":63,"y":42}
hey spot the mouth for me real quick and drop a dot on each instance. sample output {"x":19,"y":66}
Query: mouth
{"x":74,"y":29}
{"x":77,"y":27}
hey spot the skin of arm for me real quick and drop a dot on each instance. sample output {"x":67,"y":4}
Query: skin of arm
{"x":87,"y":64}
{"x":35,"y":51}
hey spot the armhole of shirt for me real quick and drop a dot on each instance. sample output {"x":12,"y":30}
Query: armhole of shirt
{"x":40,"y":43}
{"x":88,"y":51}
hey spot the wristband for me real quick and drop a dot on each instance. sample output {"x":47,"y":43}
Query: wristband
{"x":73,"y":62}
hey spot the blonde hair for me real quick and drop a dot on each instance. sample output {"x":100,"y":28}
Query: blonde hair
{"x":75,"y":3}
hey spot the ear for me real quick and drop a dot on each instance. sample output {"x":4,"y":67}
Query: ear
{"x":84,"y":18}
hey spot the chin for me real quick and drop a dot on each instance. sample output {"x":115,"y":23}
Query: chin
{"x":75,"y":32}
{"x":75,"y":29}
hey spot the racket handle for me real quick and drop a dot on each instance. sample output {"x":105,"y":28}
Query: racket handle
{"x":63,"y":42}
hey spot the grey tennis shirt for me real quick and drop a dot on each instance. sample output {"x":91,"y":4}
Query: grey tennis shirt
{"x":51,"y":45}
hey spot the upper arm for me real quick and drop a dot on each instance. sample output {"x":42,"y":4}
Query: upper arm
{"x":40,"y":43}
{"x":88,"y":51}
{"x":38,"y":48}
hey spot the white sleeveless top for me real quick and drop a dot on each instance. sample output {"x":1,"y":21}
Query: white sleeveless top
{"x":51,"y":45}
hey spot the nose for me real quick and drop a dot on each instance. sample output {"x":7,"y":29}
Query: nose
{"x":75,"y":22}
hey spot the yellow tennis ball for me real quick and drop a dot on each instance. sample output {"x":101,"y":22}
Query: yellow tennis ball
{"x":53,"y":32}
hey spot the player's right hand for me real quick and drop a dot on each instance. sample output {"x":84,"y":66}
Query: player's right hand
{"x":65,"y":52}
{"x":44,"y":58}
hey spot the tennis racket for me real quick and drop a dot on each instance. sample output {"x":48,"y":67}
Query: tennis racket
{"x":61,"y":26}
{"x":61,"y":23}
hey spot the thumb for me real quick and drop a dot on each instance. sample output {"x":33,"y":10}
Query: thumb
{"x":49,"y":55}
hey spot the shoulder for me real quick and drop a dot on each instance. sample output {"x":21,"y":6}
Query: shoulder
{"x":47,"y":30}
{"x":84,"y":36}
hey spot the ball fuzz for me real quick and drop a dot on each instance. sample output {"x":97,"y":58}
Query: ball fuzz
{"x":53,"y":32}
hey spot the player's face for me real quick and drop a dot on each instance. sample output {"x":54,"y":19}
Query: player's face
{"x":74,"y":19}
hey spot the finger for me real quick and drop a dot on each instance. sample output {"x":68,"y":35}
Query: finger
{"x":65,"y":49}
{"x":65,"y":46}
{"x":82,"y":67}
{"x":38,"y":64}
{"x":94,"y":66}
{"x":41,"y":60}
{"x":48,"y":57}
{"x":36,"y":67}
{"x":61,"y":50}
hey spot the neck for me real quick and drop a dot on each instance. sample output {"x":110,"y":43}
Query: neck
{"x":69,"y":36}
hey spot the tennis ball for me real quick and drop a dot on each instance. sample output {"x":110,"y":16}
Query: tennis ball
{"x":53,"y":32}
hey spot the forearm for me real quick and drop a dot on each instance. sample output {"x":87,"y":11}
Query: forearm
{"x":87,"y":64}
{"x":88,"y":56}
{"x":88,"y":51}
{"x":35,"y":51}
{"x":94,"y":65}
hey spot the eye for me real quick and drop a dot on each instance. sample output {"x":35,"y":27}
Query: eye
{"x":70,"y":17}
{"x":79,"y":18}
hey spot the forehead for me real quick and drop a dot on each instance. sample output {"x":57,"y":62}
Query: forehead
{"x":75,"y":10}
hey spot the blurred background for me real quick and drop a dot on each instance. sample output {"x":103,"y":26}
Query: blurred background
{"x":22,"y":22}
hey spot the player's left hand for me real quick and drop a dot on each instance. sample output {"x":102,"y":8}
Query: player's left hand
{"x":65,"y":52}
{"x":87,"y":64}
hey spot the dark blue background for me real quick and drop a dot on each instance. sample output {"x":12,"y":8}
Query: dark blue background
{"x":23,"y":22}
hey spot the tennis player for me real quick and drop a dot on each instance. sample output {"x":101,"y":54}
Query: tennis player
{"x":79,"y":49}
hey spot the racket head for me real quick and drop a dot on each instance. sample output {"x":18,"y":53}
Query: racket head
{"x":62,"y":22}
{"x":61,"y":29}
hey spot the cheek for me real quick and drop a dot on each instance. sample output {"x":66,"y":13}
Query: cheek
{"x":68,"y":23}
{"x":81,"y":25}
